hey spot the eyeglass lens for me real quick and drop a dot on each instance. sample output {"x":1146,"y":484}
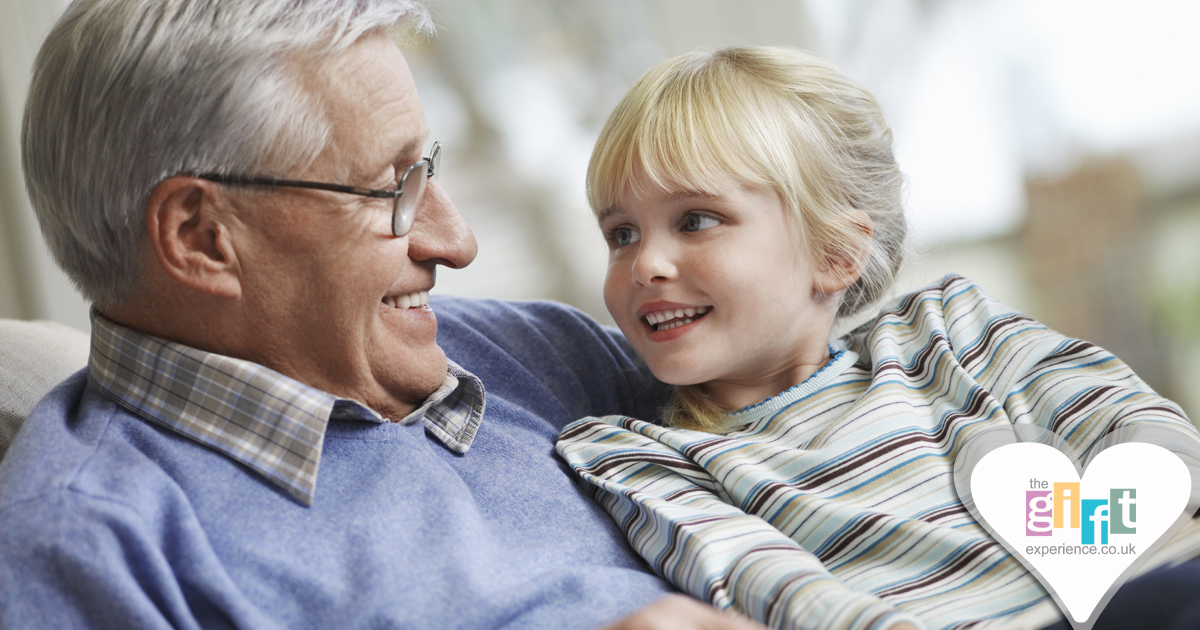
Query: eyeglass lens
{"x":412,"y":186}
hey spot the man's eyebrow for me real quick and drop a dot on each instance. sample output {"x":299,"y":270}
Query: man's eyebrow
{"x":410,"y":148}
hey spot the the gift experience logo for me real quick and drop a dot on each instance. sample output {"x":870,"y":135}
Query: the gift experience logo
{"x":1060,"y":506}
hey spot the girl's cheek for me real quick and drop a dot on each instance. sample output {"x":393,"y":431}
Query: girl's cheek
{"x":612,"y":298}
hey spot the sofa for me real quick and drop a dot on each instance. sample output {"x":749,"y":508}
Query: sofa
{"x":34,"y":357}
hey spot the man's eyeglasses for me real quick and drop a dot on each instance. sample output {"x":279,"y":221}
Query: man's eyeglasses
{"x":404,"y":198}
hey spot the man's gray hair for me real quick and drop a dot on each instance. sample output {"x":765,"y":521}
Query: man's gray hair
{"x":127,"y":93}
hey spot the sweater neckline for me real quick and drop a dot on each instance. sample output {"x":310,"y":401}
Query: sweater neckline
{"x":842,"y":359}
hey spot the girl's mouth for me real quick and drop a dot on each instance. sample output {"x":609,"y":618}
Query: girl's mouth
{"x":666,"y":320}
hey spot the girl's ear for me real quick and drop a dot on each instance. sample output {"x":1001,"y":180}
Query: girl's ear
{"x":840,"y":265}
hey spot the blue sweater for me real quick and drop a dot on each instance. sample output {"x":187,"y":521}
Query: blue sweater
{"x":107,"y":520}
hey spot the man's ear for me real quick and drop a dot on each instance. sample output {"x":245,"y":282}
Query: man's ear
{"x":839,"y":267}
{"x":187,"y":220}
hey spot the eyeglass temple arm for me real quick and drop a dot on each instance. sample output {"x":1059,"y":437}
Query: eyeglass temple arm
{"x":295,"y":183}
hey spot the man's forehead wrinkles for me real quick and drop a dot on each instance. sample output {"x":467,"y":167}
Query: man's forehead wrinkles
{"x":377,"y":124}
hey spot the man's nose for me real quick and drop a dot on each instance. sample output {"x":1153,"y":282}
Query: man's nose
{"x":439,"y":233}
{"x":654,"y":262}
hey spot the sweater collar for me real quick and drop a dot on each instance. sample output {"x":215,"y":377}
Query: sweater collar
{"x":841,"y":358}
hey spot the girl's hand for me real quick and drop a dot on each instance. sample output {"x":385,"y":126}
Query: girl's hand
{"x":679,"y":612}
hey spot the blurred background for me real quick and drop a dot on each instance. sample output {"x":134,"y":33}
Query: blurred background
{"x":1051,"y":147}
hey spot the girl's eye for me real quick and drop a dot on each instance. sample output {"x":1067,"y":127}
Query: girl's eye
{"x":623,"y":236}
{"x":695,"y":221}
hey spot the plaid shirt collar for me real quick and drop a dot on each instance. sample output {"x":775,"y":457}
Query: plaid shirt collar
{"x":255,"y":415}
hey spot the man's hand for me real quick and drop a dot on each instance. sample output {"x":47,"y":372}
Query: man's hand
{"x":678,"y":612}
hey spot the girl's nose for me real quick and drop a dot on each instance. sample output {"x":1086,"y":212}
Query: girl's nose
{"x":654,"y":263}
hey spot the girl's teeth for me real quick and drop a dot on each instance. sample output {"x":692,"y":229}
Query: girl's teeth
{"x":657,"y":318}
{"x":676,"y":324}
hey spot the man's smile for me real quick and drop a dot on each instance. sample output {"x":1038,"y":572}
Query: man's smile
{"x":417,"y":299}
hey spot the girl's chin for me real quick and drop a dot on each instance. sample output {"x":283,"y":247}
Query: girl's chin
{"x":677,"y":377}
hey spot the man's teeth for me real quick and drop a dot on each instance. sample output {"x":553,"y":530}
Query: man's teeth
{"x":658,"y":319}
{"x":412,"y":300}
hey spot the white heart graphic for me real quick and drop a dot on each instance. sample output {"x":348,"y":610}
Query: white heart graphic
{"x":1152,"y":485}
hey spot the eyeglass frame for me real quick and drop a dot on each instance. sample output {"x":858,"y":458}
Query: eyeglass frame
{"x":401,"y":223}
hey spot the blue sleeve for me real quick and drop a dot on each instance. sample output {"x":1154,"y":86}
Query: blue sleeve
{"x":77,"y":562}
{"x":548,"y":357}
{"x":73,"y":558}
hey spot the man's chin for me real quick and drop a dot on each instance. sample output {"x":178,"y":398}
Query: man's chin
{"x":411,"y":375}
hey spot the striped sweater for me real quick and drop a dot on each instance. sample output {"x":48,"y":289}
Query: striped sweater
{"x":832,"y":505}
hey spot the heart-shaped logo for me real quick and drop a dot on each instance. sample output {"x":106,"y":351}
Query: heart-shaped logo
{"x":1081,"y":537}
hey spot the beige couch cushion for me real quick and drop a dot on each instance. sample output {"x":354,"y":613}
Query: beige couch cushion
{"x":34,"y":357}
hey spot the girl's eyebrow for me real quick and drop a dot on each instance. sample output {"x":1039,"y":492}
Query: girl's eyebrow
{"x":678,"y":195}
{"x":683,"y":195}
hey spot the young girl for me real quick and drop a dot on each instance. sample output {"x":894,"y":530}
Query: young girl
{"x":750,"y":199}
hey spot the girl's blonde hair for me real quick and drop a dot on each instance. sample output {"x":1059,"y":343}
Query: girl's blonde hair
{"x":761,"y":116}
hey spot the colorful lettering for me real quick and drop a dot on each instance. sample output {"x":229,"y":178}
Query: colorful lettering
{"x":1066,"y":503}
{"x":1122,"y":504}
{"x":1038,"y":513}
{"x":1096,"y":511}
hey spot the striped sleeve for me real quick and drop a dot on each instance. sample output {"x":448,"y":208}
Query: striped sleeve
{"x":674,"y":514}
{"x":1072,"y":388}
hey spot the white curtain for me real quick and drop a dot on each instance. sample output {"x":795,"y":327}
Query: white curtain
{"x":31,"y":285}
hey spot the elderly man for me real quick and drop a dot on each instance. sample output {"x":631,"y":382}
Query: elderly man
{"x":269,"y":433}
